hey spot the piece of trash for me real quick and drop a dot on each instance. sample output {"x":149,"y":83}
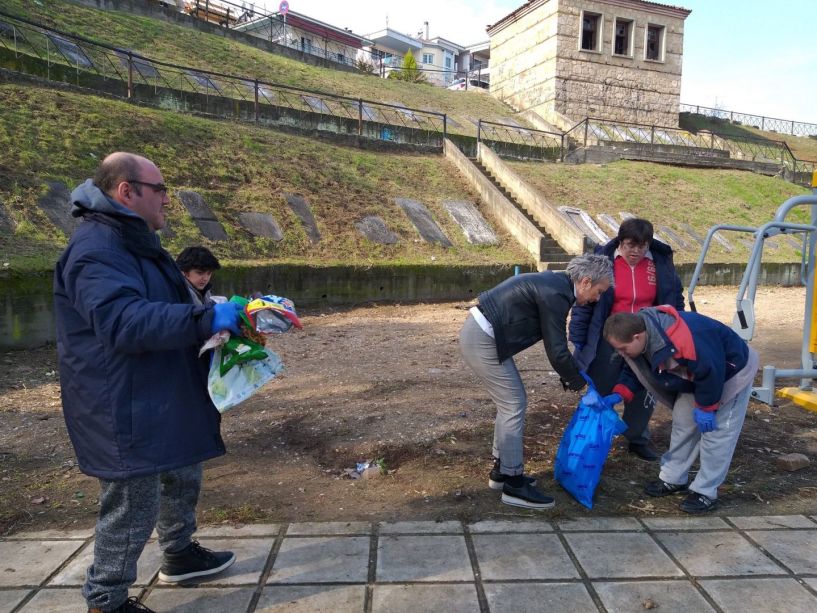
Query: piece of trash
{"x":649,"y":604}
{"x":434,"y":371}
{"x":39,"y":500}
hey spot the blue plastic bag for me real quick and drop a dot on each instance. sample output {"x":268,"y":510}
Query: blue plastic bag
{"x":585,"y":445}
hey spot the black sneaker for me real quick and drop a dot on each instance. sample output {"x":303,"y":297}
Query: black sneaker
{"x":131,"y":605}
{"x":192,"y":562}
{"x":643,"y":451}
{"x":496,"y":479}
{"x":698,"y":503}
{"x":527,"y":497}
{"x":662,"y":488}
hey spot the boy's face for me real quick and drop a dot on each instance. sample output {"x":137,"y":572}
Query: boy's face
{"x":199,"y":278}
{"x":632,"y":348}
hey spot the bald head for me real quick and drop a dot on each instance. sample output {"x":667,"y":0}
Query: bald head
{"x":118,"y":167}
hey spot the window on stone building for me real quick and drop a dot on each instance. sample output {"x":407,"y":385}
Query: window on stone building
{"x":624,"y":29}
{"x":428,"y":58}
{"x":654,"y":49}
{"x":591,"y":32}
{"x":447,"y":62}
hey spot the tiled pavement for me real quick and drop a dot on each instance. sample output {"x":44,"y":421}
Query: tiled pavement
{"x":687,"y":564}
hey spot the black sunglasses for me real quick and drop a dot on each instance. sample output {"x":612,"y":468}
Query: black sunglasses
{"x":156,"y":187}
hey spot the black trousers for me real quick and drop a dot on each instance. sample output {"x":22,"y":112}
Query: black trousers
{"x":604,"y":371}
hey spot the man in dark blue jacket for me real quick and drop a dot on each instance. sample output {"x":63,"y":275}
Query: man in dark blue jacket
{"x":516,"y":314}
{"x":644,"y":276}
{"x":134,"y":392}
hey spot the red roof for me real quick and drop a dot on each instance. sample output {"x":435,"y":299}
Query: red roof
{"x":324,"y":31}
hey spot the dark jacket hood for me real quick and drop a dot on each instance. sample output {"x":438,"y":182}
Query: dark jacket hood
{"x":88,"y":197}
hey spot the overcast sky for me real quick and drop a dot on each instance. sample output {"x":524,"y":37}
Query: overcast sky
{"x":752,"y":56}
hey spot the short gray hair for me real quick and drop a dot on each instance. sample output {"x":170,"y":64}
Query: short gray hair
{"x":595,"y":267}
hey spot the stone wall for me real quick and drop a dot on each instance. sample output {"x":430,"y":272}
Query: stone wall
{"x":537,"y":63}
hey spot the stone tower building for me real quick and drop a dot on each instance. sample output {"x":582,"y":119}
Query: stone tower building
{"x":609,"y":59}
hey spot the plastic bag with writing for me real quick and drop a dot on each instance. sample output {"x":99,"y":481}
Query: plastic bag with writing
{"x":240,"y":381}
{"x":585,"y":445}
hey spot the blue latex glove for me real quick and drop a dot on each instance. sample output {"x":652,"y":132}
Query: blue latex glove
{"x":612,"y":400}
{"x":704,"y":419}
{"x":226,"y":317}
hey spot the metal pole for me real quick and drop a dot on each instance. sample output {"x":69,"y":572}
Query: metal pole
{"x":130,"y":75}
{"x":586,"y":124}
{"x":479,"y":131}
{"x":256,"y":101}
{"x":445,"y":128}
{"x":360,"y":117}
{"x":652,"y":135}
{"x":206,"y":10}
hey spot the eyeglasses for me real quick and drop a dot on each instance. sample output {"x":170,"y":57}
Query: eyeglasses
{"x":156,"y":187}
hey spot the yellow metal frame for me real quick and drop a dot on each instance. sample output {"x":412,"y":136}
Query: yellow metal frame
{"x":803,"y":398}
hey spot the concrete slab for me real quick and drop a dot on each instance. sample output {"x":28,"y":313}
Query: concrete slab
{"x":64,"y":600}
{"x":812,"y":582}
{"x":54,"y":535}
{"x":676,"y":240}
{"x":312,"y":599}
{"x":477,"y":231}
{"x":490,"y":525}
{"x":760,"y":595}
{"x":261,"y":224}
{"x":322,"y":560}
{"x":375,"y":229}
{"x":769,"y":522}
{"x":550,"y":597}
{"x":598,"y":524}
{"x":74,"y":573}
{"x":11,"y":598}
{"x":423,"y":558}
{"x":202,"y":215}
{"x":412,"y":598}
{"x":421,"y":527}
{"x":6,"y":222}
{"x":693,"y":233}
{"x":797,"y":549}
{"x":666,"y":596}
{"x":421,"y":218}
{"x":240,"y":531}
{"x":685,"y":523}
{"x":621,"y":554}
{"x":717,"y":554}
{"x":303,"y":212}
{"x":504,"y":557}
{"x":198,"y":599}
{"x":329,"y":528}
{"x":56,"y":204}
{"x":610,"y":222}
{"x":584,"y":224}
{"x":167,"y":232}
{"x":27,"y":563}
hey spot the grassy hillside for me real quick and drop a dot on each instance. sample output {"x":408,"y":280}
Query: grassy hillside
{"x":671,"y":196}
{"x":183,"y":46}
{"x":56,"y":135}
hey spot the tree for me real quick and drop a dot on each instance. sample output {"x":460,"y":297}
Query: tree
{"x":408,"y":71}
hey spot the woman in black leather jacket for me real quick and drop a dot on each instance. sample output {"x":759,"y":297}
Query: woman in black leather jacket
{"x":511,"y":317}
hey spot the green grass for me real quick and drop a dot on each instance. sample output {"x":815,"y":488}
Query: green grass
{"x":184,"y":46}
{"x":56,"y":135}
{"x":670,"y":196}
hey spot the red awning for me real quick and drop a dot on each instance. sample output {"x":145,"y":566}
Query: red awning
{"x":324,"y":32}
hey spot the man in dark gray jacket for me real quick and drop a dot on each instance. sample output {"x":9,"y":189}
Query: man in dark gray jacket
{"x":511,"y":317}
{"x":134,"y":392}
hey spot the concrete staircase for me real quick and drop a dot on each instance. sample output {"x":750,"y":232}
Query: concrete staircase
{"x":551,"y":254}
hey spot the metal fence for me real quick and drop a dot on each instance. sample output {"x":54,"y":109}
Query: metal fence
{"x":518,"y":142}
{"x":64,"y":57}
{"x":769,"y":124}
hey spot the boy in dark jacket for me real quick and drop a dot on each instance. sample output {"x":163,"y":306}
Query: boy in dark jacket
{"x":703,"y":371}
{"x":134,"y":393}
{"x":644,"y":276}
{"x":198,"y":265}
{"x":516,"y":314}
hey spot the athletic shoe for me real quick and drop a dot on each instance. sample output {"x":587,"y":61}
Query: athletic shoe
{"x":496,"y":479}
{"x":527,"y":497}
{"x":193,"y":562}
{"x":698,"y":503}
{"x":662,"y":488}
{"x":643,"y":451}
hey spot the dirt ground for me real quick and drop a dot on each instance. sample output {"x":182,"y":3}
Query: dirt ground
{"x":387,"y":382}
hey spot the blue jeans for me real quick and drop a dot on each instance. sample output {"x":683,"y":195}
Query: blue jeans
{"x":129,"y":509}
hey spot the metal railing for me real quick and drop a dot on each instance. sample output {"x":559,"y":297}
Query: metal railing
{"x":515,"y":141}
{"x":769,"y":124}
{"x":73,"y":59}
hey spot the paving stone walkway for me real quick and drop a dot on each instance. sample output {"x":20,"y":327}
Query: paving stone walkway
{"x":686,"y":564}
